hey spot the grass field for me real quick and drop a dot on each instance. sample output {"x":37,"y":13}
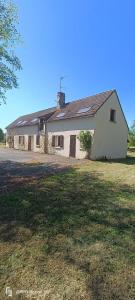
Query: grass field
{"x":2,"y":145}
{"x":71,"y":235}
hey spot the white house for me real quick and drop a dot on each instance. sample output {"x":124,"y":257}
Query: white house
{"x":56,"y":130}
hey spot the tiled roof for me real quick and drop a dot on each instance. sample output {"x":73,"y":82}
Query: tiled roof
{"x":46,"y":113}
{"x":80,"y":108}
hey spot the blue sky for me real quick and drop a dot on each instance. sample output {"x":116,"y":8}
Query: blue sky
{"x":90,"y":42}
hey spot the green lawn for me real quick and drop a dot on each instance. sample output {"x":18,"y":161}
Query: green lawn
{"x":71,"y":235}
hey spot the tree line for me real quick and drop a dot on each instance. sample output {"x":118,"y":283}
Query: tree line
{"x":2,"y":136}
{"x":132,"y":135}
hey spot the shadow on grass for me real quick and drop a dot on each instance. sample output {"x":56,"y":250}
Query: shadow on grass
{"x":83,"y":208}
{"x":129,"y":160}
{"x":13,"y":174}
{"x":131,"y":149}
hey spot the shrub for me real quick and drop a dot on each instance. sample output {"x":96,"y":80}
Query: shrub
{"x":86,"y":141}
{"x":1,"y":135}
{"x":132,"y":135}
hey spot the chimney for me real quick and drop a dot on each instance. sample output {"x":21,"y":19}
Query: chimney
{"x":60,"y":99}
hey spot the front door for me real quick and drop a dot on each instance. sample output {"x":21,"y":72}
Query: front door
{"x":29,"y":143}
{"x":72,"y":145}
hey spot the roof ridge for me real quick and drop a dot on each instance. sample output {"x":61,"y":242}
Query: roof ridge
{"x":54,"y":107}
{"x":84,"y":98}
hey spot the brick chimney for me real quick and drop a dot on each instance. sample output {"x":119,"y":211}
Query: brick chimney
{"x":60,"y":99}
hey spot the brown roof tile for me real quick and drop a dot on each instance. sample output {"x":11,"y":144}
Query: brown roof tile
{"x":46,"y":113}
{"x":70,"y":110}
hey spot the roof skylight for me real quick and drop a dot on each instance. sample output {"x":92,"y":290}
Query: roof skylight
{"x":62,"y":114}
{"x":23,"y":122}
{"x":34,"y":120}
{"x":83,"y":109}
{"x":18,"y":122}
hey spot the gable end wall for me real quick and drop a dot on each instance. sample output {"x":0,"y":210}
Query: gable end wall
{"x":110,"y":138}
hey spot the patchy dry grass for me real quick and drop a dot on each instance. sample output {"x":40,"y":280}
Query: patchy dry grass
{"x":2,"y":145}
{"x":71,"y":235}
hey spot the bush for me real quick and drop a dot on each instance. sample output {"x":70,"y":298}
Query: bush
{"x":85,"y":140}
{"x":1,"y":136}
{"x":132,"y":135}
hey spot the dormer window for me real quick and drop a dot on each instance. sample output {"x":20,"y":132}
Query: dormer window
{"x":113,"y":115}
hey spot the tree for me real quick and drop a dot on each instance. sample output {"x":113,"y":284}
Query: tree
{"x":1,"y":135}
{"x":9,"y":36}
{"x":85,"y":140}
{"x":132,"y":135}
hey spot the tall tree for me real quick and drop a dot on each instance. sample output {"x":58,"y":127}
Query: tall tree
{"x":9,"y":36}
{"x":1,"y":135}
{"x":132,"y":135}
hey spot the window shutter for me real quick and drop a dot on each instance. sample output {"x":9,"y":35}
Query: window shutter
{"x":53,"y":141}
{"x":61,"y":141}
{"x":38,"y":140}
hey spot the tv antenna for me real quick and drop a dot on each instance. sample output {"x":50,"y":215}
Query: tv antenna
{"x":61,"y":78}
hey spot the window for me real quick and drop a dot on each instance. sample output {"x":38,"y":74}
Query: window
{"x":34,"y":120}
{"x":113,"y":115}
{"x":61,"y":141}
{"x":58,"y":141}
{"x":38,"y":140}
{"x":19,"y":122}
{"x":83,"y":109}
{"x":21,"y":140}
{"x":23,"y":122}
{"x":62,"y":114}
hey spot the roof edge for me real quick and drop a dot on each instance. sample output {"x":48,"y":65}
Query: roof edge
{"x":121,"y":109}
{"x":115,"y":91}
{"x":105,"y":100}
{"x":73,"y":101}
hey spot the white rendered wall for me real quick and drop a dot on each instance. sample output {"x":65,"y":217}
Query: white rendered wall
{"x":110,"y":138}
{"x":67,"y":128}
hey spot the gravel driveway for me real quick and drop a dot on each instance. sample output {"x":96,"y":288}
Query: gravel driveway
{"x":27,"y":156}
{"x":19,"y":166}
